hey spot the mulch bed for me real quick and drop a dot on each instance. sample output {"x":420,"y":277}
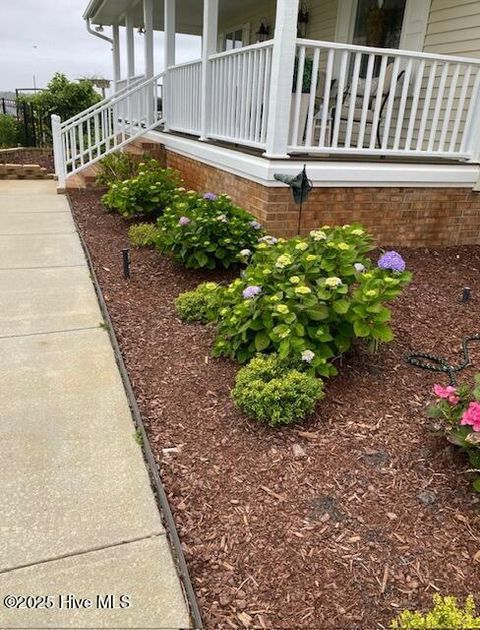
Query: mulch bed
{"x":42,"y":157}
{"x":372,"y":514}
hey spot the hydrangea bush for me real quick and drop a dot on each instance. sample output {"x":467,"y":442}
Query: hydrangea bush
{"x":207,"y":231}
{"x":458,"y":411}
{"x":270,"y":391}
{"x":147,"y":194}
{"x":310,"y":298}
{"x":445,"y":615}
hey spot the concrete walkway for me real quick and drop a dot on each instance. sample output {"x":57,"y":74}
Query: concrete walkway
{"x":77,"y":514}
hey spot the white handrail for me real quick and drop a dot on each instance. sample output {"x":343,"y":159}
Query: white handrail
{"x":185,"y":64}
{"x":96,"y":105}
{"x":114,"y":100}
{"x":244,"y":49}
{"x":88,"y":137}
{"x":390,"y":52}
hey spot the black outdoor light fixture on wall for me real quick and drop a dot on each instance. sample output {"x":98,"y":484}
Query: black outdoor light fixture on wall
{"x":303,"y":20}
{"x":264,"y":31}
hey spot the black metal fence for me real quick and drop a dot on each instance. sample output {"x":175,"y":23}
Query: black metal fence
{"x":33,"y":132}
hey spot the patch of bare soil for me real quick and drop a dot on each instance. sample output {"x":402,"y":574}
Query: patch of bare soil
{"x":372,"y":514}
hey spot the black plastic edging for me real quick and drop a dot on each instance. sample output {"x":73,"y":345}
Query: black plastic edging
{"x":171,"y":528}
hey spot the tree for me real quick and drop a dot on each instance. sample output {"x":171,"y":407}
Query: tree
{"x":65,"y":98}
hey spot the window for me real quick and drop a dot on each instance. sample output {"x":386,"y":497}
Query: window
{"x":236,"y":38}
{"x":379,"y":23}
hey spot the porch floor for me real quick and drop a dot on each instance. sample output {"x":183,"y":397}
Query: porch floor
{"x":361,"y":159}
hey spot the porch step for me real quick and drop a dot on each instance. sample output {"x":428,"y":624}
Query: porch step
{"x":86,"y":179}
{"x":24,"y":171}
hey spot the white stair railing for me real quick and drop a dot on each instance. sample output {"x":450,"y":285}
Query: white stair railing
{"x":105,"y":127}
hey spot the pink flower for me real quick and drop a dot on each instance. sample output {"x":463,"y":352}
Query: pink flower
{"x":472,"y":416}
{"x":447,"y":393}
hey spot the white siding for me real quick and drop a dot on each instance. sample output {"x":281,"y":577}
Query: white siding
{"x":323,"y":17}
{"x":454,"y":28}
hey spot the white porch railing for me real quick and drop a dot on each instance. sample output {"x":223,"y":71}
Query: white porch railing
{"x":106,"y":127}
{"x":124,"y":84}
{"x":184,"y":95}
{"x":240,"y":92}
{"x":122,"y":111}
{"x":372,"y":101}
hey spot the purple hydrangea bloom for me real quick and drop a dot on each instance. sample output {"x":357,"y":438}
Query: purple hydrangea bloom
{"x":210,"y":196}
{"x":392,"y":261}
{"x":251,"y":292}
{"x":270,"y":240}
{"x":255,"y":225}
{"x":184,"y":221}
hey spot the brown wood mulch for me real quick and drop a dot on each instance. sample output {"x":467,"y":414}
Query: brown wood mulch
{"x":343,"y":521}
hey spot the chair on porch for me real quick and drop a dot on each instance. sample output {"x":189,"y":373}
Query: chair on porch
{"x":357,"y":112}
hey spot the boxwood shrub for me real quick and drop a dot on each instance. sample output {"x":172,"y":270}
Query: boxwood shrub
{"x":446,"y":614}
{"x":200,"y":305}
{"x":271,"y":391}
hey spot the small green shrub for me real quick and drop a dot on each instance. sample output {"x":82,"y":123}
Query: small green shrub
{"x":313,"y":295}
{"x":445,"y":615}
{"x":10,"y":132}
{"x":207,"y":232}
{"x":143,"y":234}
{"x":146,"y":194}
{"x":267,"y":389}
{"x":117,"y":167}
{"x":200,"y":305}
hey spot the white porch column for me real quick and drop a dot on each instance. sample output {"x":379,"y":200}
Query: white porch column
{"x":148,"y":24}
{"x":169,"y":55}
{"x":209,"y":47}
{"x":471,"y":135}
{"x":281,"y":81}
{"x":116,"y":55}
{"x":130,"y":45}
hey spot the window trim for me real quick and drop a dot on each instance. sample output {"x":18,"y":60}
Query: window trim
{"x":414,"y":27}
{"x":245,"y":28}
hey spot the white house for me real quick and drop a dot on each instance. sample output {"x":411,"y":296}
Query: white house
{"x":378,"y":98}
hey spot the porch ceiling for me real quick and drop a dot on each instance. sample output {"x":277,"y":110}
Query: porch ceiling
{"x":189,"y":13}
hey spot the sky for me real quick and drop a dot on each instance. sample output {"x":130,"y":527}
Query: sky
{"x":41,"y":37}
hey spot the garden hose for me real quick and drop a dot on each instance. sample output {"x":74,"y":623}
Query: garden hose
{"x":435,"y":363}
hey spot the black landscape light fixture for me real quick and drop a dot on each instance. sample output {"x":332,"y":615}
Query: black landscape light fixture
{"x":466,"y":295}
{"x":264,"y":31}
{"x":303,"y":20}
{"x":126,"y":263}
{"x":301,"y":187}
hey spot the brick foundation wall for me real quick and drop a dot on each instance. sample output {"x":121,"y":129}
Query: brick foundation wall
{"x":407,"y":217}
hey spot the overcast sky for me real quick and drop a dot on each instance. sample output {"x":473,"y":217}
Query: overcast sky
{"x":41,"y":37}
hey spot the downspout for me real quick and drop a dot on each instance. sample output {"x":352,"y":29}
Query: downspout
{"x":99,"y":35}
{"x":112,"y":43}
